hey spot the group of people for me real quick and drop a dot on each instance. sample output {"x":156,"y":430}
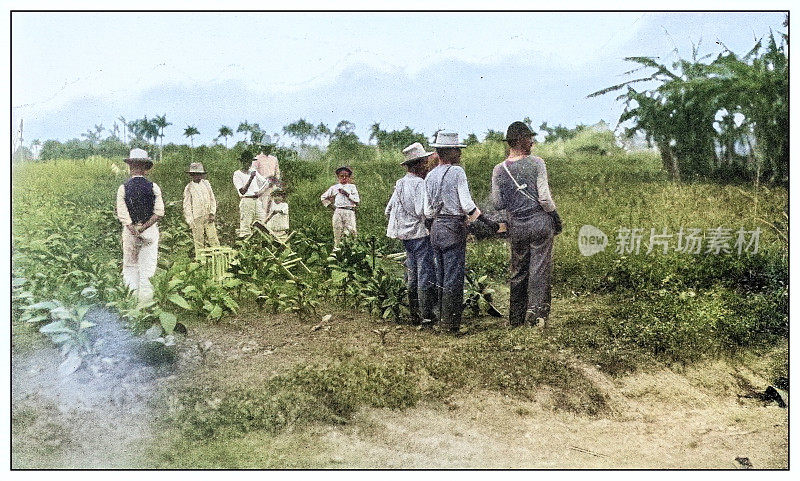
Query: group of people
{"x":140,"y":206}
{"x":429,"y":211}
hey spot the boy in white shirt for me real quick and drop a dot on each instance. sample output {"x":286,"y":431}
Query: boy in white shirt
{"x":250,"y":185}
{"x":200,"y":207}
{"x":278,"y":218}
{"x":343,"y":197}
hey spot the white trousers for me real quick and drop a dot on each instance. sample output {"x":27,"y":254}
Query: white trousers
{"x":344,"y":223}
{"x":250,"y":211}
{"x":139,"y":259}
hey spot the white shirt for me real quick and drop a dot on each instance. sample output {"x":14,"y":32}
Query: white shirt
{"x":341,"y":200}
{"x":198,"y":201}
{"x":122,"y":209}
{"x":257,"y":186}
{"x":447,"y":192}
{"x":406,"y":209}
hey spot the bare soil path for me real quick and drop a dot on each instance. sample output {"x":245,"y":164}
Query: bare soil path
{"x":103,"y":416}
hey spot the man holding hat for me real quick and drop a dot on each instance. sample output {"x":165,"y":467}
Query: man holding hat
{"x":406,"y":214}
{"x":200,"y":207}
{"x":139,"y":207}
{"x":343,"y":197}
{"x":449,"y":203}
{"x":520,"y":187}
{"x":250,"y":185}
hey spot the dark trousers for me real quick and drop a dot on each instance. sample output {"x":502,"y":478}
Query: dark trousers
{"x":531,"y":240}
{"x":449,"y":241}
{"x":420,"y":277}
{"x":420,"y":274}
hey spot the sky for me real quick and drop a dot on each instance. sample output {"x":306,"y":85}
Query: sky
{"x":466,"y":72}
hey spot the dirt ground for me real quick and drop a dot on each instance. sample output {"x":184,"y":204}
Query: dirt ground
{"x":103,"y":415}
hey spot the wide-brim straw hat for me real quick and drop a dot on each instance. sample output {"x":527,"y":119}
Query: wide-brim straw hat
{"x":196,"y":168}
{"x":415,"y":153}
{"x":139,"y":155}
{"x":344,"y":167}
{"x":447,"y":140}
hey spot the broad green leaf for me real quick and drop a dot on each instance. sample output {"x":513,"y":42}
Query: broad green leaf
{"x":215,"y":313}
{"x":55,"y":328}
{"x":81,"y":311}
{"x":39,"y":318}
{"x":59,"y":338}
{"x":168,"y":321}
{"x":338,"y":276}
{"x":43,"y":305}
{"x":89,"y":292}
{"x":179,"y":301}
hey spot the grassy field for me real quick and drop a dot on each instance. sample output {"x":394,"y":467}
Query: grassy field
{"x":618,"y":314}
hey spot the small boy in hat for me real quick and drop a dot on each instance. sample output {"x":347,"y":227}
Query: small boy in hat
{"x":343,"y":197}
{"x":200,"y":207}
{"x":406,"y":214}
{"x":139,"y":208}
{"x":250,"y":185}
{"x":278,"y":217}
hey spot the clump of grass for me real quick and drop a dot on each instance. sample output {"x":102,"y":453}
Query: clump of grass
{"x":674,"y":324}
{"x":330,"y":393}
{"x":516,"y":362}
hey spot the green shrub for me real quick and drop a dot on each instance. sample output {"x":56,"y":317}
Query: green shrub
{"x":318,"y":393}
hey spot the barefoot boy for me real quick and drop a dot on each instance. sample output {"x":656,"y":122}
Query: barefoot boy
{"x":343,"y":197}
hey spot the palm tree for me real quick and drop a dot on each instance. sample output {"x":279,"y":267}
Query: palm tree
{"x":244,"y":128}
{"x":190,"y":131}
{"x":161,"y":122}
{"x":226,"y":132}
{"x":376,"y":134}
{"x":124,"y":129}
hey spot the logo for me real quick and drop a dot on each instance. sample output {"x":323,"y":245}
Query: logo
{"x":591,"y":240}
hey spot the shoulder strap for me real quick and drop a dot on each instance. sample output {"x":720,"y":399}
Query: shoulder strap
{"x":520,"y":188}
{"x":440,"y":202}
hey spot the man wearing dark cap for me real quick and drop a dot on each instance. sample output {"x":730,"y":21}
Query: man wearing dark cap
{"x":520,"y":187}
{"x":406,"y":214}
{"x":139,"y":208}
{"x":449,"y":203}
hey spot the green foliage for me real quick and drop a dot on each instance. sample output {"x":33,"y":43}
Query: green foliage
{"x":396,"y":139}
{"x":690,"y":114}
{"x":316,"y":393}
{"x":190,"y":286}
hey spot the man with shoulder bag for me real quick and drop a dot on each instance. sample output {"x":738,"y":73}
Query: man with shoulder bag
{"x":520,"y":187}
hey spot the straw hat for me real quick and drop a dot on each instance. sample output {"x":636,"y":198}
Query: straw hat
{"x":445,"y":140}
{"x":414,"y":153}
{"x":139,"y":155}
{"x":196,"y":168}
